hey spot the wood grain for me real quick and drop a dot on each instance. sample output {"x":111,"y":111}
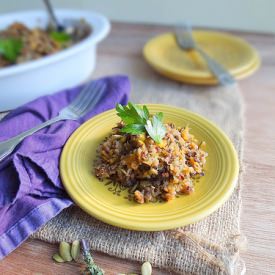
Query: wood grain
{"x":258,"y":190}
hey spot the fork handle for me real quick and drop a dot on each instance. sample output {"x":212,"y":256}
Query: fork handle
{"x":7,"y":146}
{"x":223,"y":76}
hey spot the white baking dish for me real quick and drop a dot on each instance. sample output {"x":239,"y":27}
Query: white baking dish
{"x":67,"y":68}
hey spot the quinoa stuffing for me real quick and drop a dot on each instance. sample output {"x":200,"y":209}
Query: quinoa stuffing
{"x":151,"y":171}
{"x":19,"y":43}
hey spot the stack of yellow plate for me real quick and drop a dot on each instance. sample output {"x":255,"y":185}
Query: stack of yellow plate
{"x":233,"y":53}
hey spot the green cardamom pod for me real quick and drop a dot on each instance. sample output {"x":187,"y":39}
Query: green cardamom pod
{"x":65,"y":251}
{"x":75,"y":251}
{"x":146,"y":269}
{"x":58,"y":258}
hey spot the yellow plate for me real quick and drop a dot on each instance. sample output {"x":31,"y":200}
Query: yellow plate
{"x":236,"y":55}
{"x":93,"y":196}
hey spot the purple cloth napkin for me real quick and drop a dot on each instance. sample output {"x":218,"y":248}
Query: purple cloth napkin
{"x":31,"y":192}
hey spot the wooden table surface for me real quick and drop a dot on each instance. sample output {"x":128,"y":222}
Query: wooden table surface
{"x":258,"y":192}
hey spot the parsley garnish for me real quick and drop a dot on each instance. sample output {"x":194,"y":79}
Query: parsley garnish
{"x":10,"y":48}
{"x":155,"y":128}
{"x":138,"y":120}
{"x":60,"y":37}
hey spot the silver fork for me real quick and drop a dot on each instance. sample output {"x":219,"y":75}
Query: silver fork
{"x":184,"y":38}
{"x":84,"y":102}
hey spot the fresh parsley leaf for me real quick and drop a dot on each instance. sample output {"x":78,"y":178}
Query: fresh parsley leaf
{"x":60,"y":37}
{"x":155,"y":128}
{"x":143,"y":115}
{"x":146,"y":112}
{"x":10,"y":48}
{"x":159,"y":116}
{"x":134,"y":129}
{"x":124,"y":114}
{"x":132,"y":114}
{"x":137,"y":120}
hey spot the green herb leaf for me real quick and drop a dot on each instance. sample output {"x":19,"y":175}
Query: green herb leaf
{"x":155,"y":128}
{"x":10,"y":48}
{"x":143,"y":115}
{"x":159,"y":116}
{"x":137,"y":120}
{"x":124,"y":114}
{"x":134,"y":129}
{"x":146,"y":112}
{"x":132,"y":114}
{"x":60,"y":37}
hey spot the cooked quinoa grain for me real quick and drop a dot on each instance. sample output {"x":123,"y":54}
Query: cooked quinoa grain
{"x":151,"y":172}
{"x":36,"y":42}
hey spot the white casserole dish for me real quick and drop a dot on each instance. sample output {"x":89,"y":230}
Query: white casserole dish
{"x":67,"y":68}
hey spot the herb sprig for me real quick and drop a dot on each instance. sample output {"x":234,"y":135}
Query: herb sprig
{"x":10,"y":48}
{"x":91,"y":267}
{"x":138,"y":120}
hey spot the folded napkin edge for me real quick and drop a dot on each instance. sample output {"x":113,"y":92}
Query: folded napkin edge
{"x":30,"y":223}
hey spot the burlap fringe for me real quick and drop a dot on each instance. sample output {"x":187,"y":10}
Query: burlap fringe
{"x":219,"y":255}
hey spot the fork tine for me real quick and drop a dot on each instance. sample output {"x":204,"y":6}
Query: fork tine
{"x":184,"y":36}
{"x":184,"y":27}
{"x":92,"y":103}
{"x":90,"y":95}
{"x":82,"y":95}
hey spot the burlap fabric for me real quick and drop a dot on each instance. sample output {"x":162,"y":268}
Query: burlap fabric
{"x":210,"y":246}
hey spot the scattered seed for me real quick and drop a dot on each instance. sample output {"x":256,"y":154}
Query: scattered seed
{"x":75,"y":251}
{"x":65,"y":251}
{"x":146,"y":269}
{"x":58,"y":258}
